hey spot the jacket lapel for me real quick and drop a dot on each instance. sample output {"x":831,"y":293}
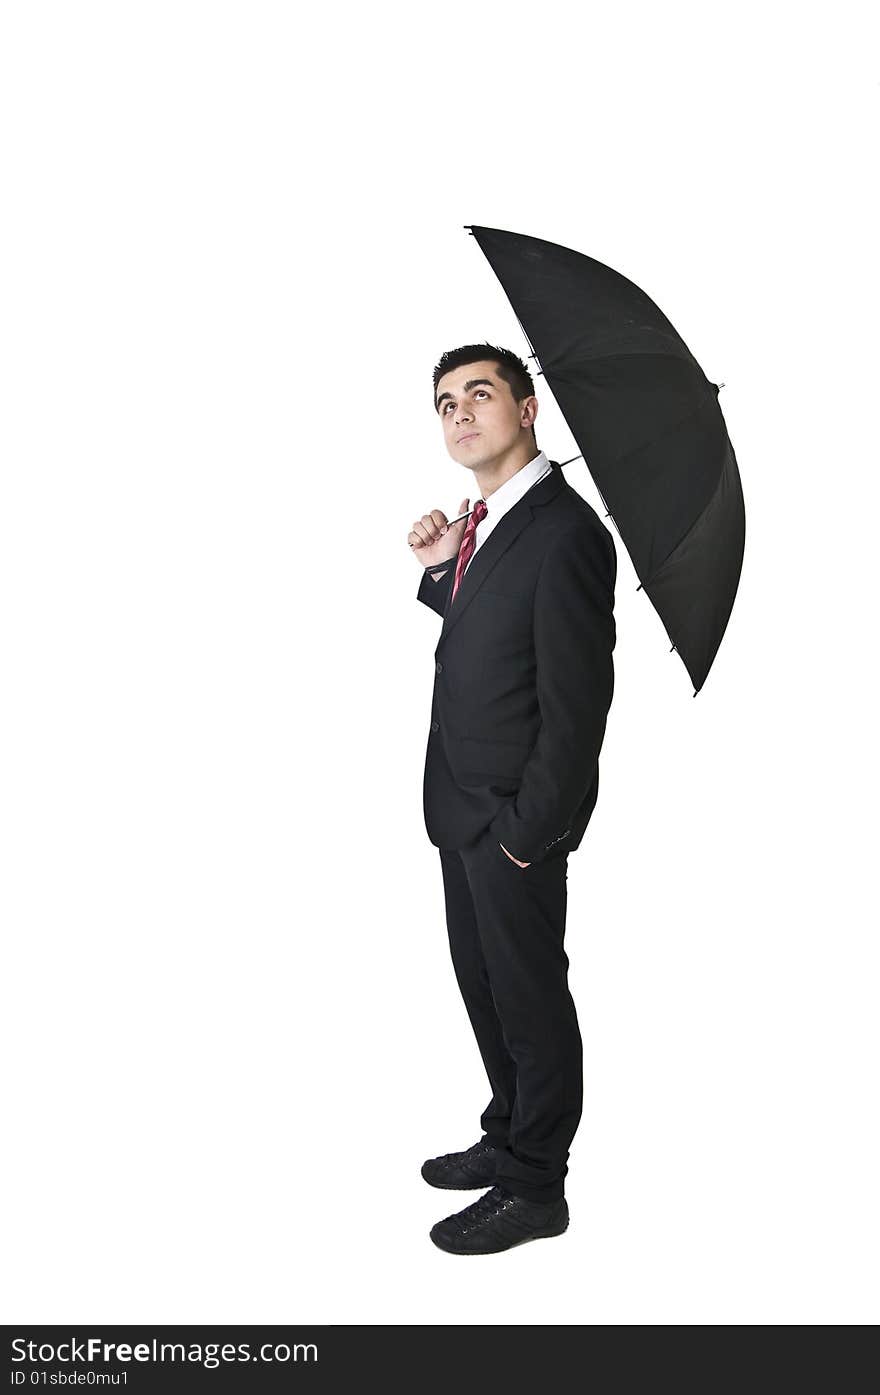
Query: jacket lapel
{"x":503,"y":535}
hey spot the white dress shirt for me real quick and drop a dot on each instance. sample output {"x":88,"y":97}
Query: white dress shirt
{"x":506,"y":495}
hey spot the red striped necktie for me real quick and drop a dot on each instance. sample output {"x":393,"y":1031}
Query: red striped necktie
{"x":468,"y":542}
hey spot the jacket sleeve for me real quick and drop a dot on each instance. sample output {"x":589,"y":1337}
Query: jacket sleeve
{"x":435,"y":585}
{"x":574,"y":635}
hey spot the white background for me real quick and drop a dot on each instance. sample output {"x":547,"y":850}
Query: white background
{"x":233,"y":250}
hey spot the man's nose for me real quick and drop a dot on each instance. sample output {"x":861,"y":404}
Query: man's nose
{"x":463,"y":415}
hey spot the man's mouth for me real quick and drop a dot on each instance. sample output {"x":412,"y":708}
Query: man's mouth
{"x":469,"y":437}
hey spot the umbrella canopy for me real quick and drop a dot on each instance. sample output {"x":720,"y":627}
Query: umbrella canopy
{"x":648,"y":424}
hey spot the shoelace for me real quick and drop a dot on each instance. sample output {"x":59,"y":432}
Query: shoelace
{"x":483,"y":1209}
{"x":471,"y":1152}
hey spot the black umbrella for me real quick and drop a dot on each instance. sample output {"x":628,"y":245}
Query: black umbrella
{"x":648,"y":424}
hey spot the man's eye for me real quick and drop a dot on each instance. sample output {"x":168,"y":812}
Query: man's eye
{"x":450,"y":404}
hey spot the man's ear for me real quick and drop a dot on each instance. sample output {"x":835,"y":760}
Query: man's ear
{"x":529,"y":411}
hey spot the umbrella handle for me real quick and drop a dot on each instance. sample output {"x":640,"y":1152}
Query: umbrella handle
{"x":460,"y":517}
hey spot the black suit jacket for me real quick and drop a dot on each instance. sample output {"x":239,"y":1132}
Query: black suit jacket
{"x":524,"y":677}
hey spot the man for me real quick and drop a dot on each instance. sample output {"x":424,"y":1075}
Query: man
{"x":523,"y":684}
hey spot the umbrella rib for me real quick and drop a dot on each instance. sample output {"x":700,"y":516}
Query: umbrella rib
{"x":678,"y":348}
{"x":673,"y":426}
{"x":685,"y":535}
{"x":527,"y":339}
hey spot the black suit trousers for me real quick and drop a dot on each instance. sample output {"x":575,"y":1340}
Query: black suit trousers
{"x":506,"y":926}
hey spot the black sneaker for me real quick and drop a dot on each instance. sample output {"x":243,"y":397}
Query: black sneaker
{"x":498,"y":1221}
{"x":475,"y":1167}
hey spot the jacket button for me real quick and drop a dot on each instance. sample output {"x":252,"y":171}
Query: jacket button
{"x":435,"y":726}
{"x":439,"y":668}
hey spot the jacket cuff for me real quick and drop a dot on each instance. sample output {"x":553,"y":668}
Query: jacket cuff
{"x":527,"y":844}
{"x":434,"y":586}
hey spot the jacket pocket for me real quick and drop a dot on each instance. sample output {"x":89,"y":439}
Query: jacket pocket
{"x":476,"y":762}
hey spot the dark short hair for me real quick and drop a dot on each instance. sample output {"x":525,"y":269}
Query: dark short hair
{"x":510,"y":367}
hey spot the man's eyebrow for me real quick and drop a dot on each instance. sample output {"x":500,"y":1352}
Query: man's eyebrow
{"x":471,"y":383}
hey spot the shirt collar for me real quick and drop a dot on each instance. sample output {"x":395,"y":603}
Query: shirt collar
{"x":512,"y":490}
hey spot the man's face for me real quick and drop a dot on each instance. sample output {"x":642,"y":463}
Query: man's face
{"x":480,"y":419}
